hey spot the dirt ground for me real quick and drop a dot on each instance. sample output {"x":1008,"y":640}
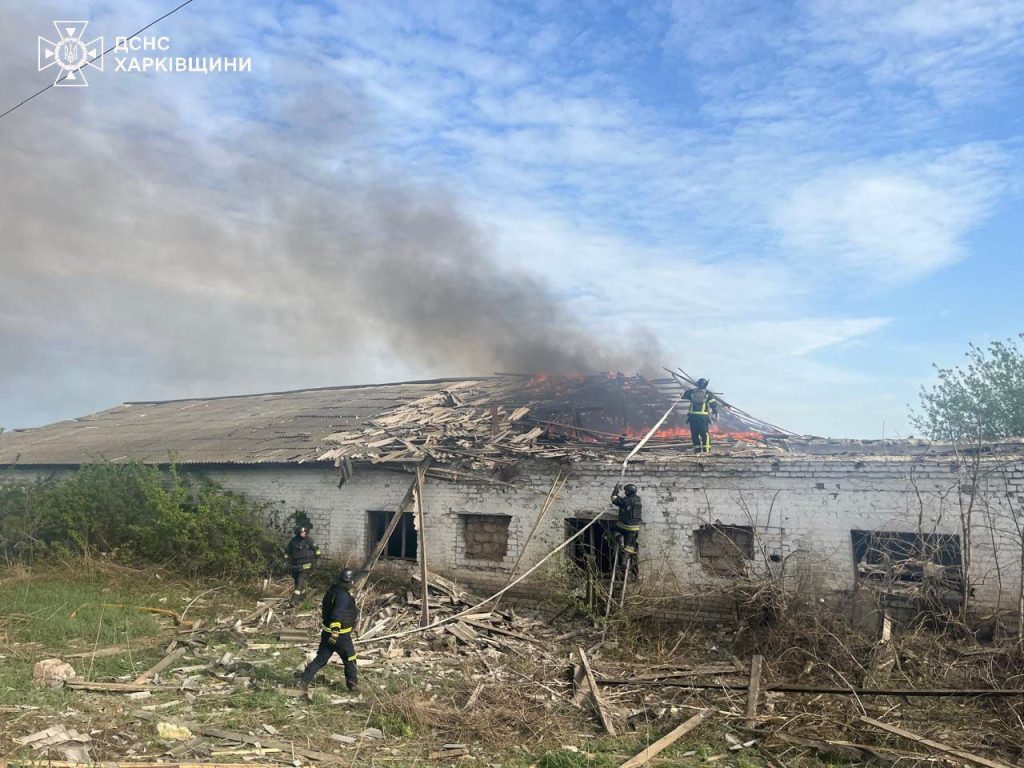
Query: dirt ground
{"x":495,"y":689}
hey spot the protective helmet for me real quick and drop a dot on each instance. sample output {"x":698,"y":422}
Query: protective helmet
{"x":630,"y":489}
{"x":346,"y":576}
{"x":702,"y":383}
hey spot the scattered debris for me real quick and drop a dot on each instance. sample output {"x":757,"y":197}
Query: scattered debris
{"x":489,"y":674}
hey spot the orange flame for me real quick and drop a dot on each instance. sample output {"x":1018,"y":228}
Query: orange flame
{"x":683,"y":434}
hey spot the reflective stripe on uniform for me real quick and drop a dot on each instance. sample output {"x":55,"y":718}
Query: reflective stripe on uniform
{"x":339,"y":631}
{"x":351,"y":658}
{"x":307,"y":566}
{"x":629,"y":527}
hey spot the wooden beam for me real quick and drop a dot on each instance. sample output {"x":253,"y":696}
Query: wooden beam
{"x":161,"y":665}
{"x":579,"y":675}
{"x":595,"y":694}
{"x":471,"y":701}
{"x":666,"y":741}
{"x":403,"y":505}
{"x":936,"y":745}
{"x":418,"y":495}
{"x":753,"y":690}
{"x":82,"y":685}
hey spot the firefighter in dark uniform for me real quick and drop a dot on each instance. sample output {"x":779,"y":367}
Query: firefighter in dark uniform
{"x":630,"y":514}
{"x":339,"y":614}
{"x":301,"y":555}
{"x":703,"y":410}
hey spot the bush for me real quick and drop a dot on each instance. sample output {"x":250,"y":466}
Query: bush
{"x":141,"y":515}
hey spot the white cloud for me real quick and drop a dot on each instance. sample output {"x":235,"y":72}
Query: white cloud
{"x":892,"y":221}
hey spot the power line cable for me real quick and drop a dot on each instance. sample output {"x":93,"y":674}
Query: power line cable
{"x":95,"y":58}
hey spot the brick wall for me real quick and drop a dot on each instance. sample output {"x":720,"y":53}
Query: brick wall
{"x":801,"y":510}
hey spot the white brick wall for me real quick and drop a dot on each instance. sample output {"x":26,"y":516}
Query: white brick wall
{"x":801,"y":508}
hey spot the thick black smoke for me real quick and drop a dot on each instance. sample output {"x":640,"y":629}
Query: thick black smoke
{"x":167,"y":238}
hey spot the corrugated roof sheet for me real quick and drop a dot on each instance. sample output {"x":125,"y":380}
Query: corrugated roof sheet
{"x":279,"y":427}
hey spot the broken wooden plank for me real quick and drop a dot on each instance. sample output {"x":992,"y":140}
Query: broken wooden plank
{"x":595,"y":695}
{"x":753,"y":690}
{"x":579,"y":674}
{"x":450,"y":588}
{"x":161,"y":665}
{"x":667,"y":740}
{"x":255,"y":617}
{"x":498,"y":630}
{"x":449,"y":753}
{"x":461,"y":631}
{"x":936,"y":745}
{"x":471,"y":701}
{"x":83,"y":685}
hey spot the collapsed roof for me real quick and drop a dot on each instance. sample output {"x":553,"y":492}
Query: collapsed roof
{"x":489,"y":418}
{"x":487,"y":422}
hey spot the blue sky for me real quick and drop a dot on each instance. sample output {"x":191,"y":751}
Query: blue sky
{"x":807,"y":202}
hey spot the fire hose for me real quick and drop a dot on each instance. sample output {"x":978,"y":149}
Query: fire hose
{"x":643,"y":442}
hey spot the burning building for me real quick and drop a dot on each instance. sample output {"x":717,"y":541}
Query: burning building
{"x":513,"y":465}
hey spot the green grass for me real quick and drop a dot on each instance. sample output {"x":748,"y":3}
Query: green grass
{"x":56,"y":612}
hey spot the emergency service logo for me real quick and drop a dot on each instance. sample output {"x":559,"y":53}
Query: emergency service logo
{"x":71,"y":53}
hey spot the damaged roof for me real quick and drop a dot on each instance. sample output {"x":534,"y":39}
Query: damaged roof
{"x":479,"y":423}
{"x":277,"y":427}
{"x":483,"y":420}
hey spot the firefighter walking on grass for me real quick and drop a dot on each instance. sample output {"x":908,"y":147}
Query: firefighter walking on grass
{"x":339,"y":615}
{"x":703,"y":410}
{"x":301,"y":555}
{"x":630,"y":515}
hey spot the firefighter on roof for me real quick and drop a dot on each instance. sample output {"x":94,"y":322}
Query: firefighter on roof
{"x":703,"y":410}
{"x":630,"y":512}
{"x":339,"y":614}
{"x":301,"y":555}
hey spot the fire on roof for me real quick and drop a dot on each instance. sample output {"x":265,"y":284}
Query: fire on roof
{"x":487,"y":422}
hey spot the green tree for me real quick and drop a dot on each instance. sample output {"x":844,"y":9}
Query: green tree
{"x":981,"y":400}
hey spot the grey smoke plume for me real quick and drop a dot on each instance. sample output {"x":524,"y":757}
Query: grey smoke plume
{"x":174,"y":239}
